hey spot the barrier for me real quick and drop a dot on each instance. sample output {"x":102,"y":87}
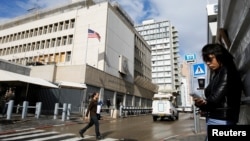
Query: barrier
{"x":126,"y":111}
{"x":66,"y":109}
{"x":25,"y":107}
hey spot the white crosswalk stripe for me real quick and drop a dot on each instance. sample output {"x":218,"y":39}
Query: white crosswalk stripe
{"x":79,"y":138}
{"x":29,"y":136}
{"x":42,"y":135}
{"x":52,"y":137}
{"x":21,"y":133}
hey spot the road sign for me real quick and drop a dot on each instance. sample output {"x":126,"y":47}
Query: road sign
{"x":190,"y":57}
{"x":199,"y":69}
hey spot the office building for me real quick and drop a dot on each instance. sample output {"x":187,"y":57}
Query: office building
{"x":82,"y":42}
{"x":163,"y":40}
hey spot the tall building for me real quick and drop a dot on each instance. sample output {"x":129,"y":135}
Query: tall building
{"x":86,"y":43}
{"x":163,"y":40}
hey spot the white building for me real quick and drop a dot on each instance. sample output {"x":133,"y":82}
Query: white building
{"x":163,"y":40}
{"x":55,"y":44}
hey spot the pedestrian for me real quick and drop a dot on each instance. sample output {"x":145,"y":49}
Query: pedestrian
{"x":108,"y":104}
{"x":99,"y":108}
{"x":9,"y":95}
{"x":92,"y":108}
{"x":221,"y":104}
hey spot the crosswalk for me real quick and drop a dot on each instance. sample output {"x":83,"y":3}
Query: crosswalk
{"x":42,"y":135}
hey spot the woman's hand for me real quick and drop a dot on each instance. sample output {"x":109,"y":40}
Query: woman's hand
{"x":200,"y":101}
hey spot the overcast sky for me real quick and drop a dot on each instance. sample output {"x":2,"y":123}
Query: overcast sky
{"x":188,"y":16}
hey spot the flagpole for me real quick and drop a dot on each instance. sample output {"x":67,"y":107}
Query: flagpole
{"x":86,"y":47}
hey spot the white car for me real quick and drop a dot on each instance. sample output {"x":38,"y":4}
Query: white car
{"x":162,"y":108}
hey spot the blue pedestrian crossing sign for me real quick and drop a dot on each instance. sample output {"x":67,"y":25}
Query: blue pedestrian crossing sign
{"x":199,"y":69}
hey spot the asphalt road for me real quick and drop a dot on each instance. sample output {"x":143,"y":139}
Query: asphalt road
{"x":138,"y":128}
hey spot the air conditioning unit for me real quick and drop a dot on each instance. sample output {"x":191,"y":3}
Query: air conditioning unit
{"x":123,"y":64}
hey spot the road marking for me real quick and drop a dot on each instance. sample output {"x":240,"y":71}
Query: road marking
{"x":29,"y":136}
{"x":22,"y":133}
{"x":52,"y":137}
{"x":170,"y":137}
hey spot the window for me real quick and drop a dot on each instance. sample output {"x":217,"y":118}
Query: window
{"x":36,"y":32}
{"x":72,"y":23}
{"x":68,"y":56}
{"x":64,"y":40}
{"x":70,"y":39}
{"x":42,"y":44}
{"x":60,"y":26}
{"x":53,"y":41}
{"x":66,"y":25}
{"x":45,"y":29}
{"x":58,"y":42}
{"x":40,"y":31}
{"x":31,"y":33}
{"x":55,"y":27}
{"x":50,"y":28}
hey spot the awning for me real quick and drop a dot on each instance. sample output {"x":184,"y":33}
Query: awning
{"x":13,"y":77}
{"x":72,"y":85}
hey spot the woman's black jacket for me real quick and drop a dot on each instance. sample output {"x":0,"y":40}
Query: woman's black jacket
{"x":223,"y":95}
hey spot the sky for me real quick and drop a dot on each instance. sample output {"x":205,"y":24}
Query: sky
{"x":188,"y":16}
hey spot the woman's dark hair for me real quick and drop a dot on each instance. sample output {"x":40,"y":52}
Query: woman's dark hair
{"x":222,"y":55}
{"x":93,"y":95}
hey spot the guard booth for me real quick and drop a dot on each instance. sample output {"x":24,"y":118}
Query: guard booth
{"x":73,"y":94}
{"x":24,"y":86}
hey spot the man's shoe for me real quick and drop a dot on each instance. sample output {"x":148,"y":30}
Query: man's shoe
{"x":99,"y":137}
{"x":81,"y":134}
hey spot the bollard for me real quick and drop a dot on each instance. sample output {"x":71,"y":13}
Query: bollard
{"x":25,"y":109}
{"x":17,"y":108}
{"x":56,"y":110}
{"x":64,"y":110}
{"x":120,"y":111}
{"x":38,"y":109}
{"x":196,"y":120}
{"x":68,"y":111}
{"x":10,"y":108}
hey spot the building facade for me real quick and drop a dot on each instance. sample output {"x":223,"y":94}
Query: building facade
{"x":55,"y":44}
{"x":163,"y":40}
{"x":232,"y":30}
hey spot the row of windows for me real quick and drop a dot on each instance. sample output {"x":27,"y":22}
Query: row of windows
{"x":156,"y":36}
{"x":162,"y":80}
{"x":161,"y":74}
{"x":161,"y":57}
{"x":64,"y":25}
{"x":161,"y":62}
{"x":154,"y":31}
{"x":161,"y":68}
{"x":154,"y":25}
{"x":44,"y":58}
{"x":158,"y":41}
{"x":49,"y":43}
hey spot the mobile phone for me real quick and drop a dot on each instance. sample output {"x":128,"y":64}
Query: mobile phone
{"x":194,"y":95}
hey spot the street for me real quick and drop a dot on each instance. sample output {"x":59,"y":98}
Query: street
{"x":134,"y":128}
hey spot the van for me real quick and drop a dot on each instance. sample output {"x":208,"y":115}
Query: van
{"x":162,"y":107}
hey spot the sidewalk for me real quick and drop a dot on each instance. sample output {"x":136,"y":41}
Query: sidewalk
{"x":16,"y":124}
{"x":30,"y":122}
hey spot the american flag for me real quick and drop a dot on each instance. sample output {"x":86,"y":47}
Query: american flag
{"x":93,"y":34}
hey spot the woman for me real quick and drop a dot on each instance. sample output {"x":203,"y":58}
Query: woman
{"x":93,"y":116}
{"x":223,"y":93}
